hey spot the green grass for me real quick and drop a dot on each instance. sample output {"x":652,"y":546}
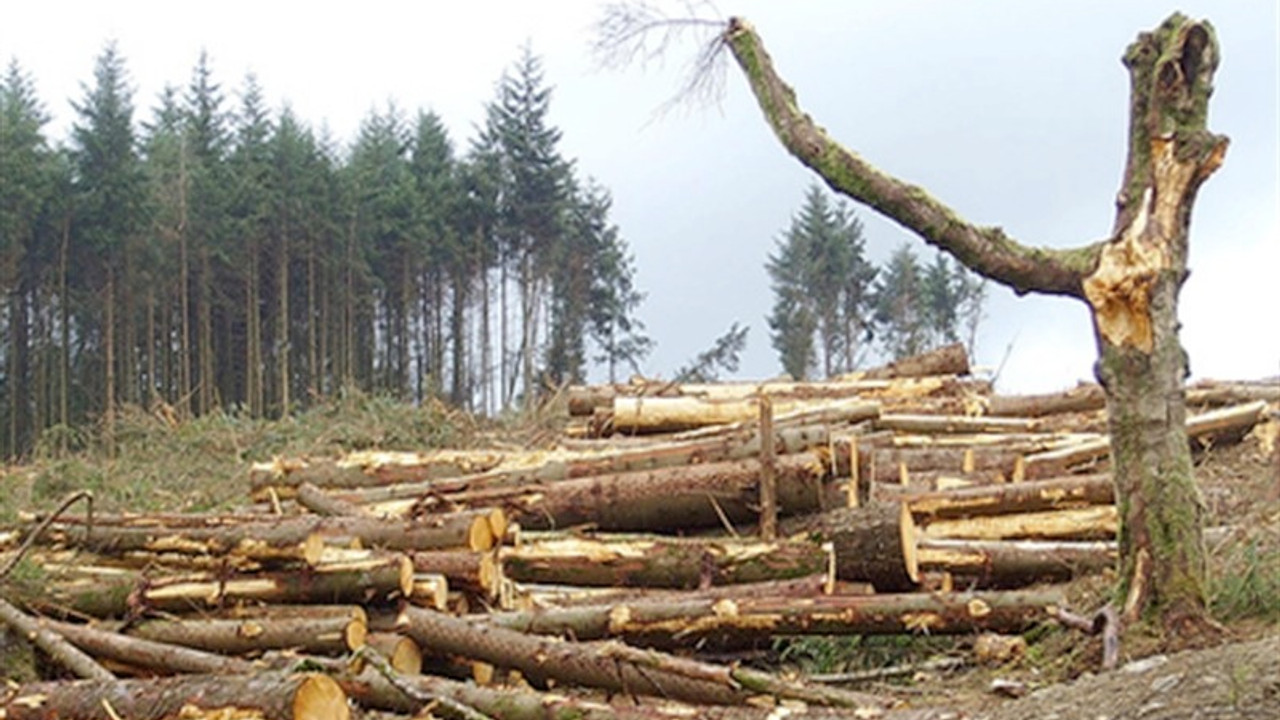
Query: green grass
{"x":157,"y":463}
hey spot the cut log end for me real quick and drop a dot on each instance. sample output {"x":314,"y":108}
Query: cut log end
{"x":480,"y":536}
{"x":907,"y":533}
{"x":319,"y":697}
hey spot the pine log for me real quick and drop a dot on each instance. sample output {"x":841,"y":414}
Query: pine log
{"x":116,"y":592}
{"x":653,"y":415}
{"x":150,"y":654}
{"x":874,"y":544}
{"x":362,"y":469}
{"x":672,"y":499}
{"x":294,"y":538}
{"x":749,"y":621}
{"x":340,"y":631}
{"x":270,"y":696}
{"x":656,"y":562}
{"x":1097,"y":522}
{"x":937,"y":424}
{"x":948,"y":359}
{"x":321,"y":502}
{"x":564,"y":596}
{"x":1031,"y":496}
{"x":475,"y":572}
{"x":1082,"y":398}
{"x":402,"y":653}
{"x":885,"y":464}
{"x":1005,"y":563}
{"x":609,"y":666}
{"x":54,"y":645}
{"x":740,"y":444}
{"x":374,"y":690}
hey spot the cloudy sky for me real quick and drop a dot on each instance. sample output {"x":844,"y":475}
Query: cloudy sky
{"x":1012,"y":112}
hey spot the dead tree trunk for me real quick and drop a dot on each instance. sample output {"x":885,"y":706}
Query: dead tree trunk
{"x":1129,"y":280}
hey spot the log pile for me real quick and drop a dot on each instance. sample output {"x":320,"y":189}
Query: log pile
{"x":668,"y":522}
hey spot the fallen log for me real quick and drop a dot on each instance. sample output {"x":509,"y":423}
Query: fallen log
{"x":270,"y":696}
{"x":53,"y":644}
{"x":1005,"y":563}
{"x":654,"y":415}
{"x":1085,"y":397}
{"x":610,"y":666}
{"x":1096,"y":522}
{"x":336,"y":630}
{"x":672,"y":499}
{"x":1031,"y":496}
{"x":563,"y":596}
{"x":655,"y":562}
{"x":322,"y":502}
{"x":874,"y":544}
{"x":362,"y":469}
{"x":744,"y":622}
{"x":938,"y":424}
{"x":374,"y":690}
{"x":284,"y":539}
{"x":148,"y":654}
{"x":946,"y":360}
{"x":479,"y":573}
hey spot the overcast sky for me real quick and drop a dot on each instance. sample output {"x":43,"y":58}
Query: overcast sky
{"x":1014,"y":113}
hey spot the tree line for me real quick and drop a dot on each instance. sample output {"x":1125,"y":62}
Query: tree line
{"x":219,"y":255}
{"x":832,"y":306}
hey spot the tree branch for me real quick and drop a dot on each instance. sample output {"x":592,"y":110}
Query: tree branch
{"x":986,"y":250}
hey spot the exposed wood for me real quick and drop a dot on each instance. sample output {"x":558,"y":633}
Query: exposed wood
{"x":743,"y":622}
{"x":270,"y":696}
{"x":768,"y":474}
{"x":661,"y":562}
{"x":874,"y":544}
{"x":401,"y":652}
{"x":363,"y":469}
{"x":1099,"y":522}
{"x":916,"y":423}
{"x":650,"y":415}
{"x":553,"y":596}
{"x":54,"y":645}
{"x":1030,"y":496}
{"x":1012,"y":563}
{"x":477,"y":572}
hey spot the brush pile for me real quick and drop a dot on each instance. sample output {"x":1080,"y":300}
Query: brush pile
{"x":672,"y":527}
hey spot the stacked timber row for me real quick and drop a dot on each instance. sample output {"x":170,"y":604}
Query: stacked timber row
{"x":670,"y":520}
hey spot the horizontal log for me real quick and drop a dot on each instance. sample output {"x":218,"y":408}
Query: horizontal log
{"x":670,"y":499}
{"x":652,"y":415}
{"x":362,"y":469}
{"x":948,"y":359}
{"x":917,"y":423}
{"x":1005,"y":563}
{"x":341,"y":631}
{"x":1098,"y":522}
{"x":1030,"y":496}
{"x":551,"y":596}
{"x":270,"y":696}
{"x":147,"y":653}
{"x":743,"y":622}
{"x":661,"y":562}
{"x":1085,"y":397}
{"x":874,"y":544}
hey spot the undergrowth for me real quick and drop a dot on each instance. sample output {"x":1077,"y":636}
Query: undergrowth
{"x":156,"y":461}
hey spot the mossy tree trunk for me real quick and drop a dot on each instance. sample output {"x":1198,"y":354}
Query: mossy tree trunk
{"x":1130,"y":281}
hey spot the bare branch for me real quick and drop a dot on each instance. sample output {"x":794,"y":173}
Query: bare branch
{"x":641,"y":33}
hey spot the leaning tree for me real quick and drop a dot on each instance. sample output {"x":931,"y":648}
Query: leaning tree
{"x":1129,"y":281}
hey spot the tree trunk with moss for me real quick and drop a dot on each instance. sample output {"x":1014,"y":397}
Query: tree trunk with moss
{"x":1130,"y":281}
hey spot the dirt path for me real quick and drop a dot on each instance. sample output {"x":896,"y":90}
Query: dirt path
{"x":1238,"y":680}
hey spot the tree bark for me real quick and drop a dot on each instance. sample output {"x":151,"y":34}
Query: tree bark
{"x":272,"y":696}
{"x":610,"y":666}
{"x":1031,"y":496}
{"x":662,"y":562}
{"x":336,"y":632}
{"x":57,"y":647}
{"x":874,"y":544}
{"x":148,"y":654}
{"x":656,"y":415}
{"x":1001,"y":563}
{"x":1130,"y":281}
{"x":743,"y":622}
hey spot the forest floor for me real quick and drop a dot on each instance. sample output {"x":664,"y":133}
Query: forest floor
{"x":157,"y":463}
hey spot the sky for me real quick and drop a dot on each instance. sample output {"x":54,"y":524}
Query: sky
{"x":1014,"y":113}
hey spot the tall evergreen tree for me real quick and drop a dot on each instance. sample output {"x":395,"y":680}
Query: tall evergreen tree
{"x":26,"y":178}
{"x":448,"y":259}
{"x":535,"y":196}
{"x":821,"y":281}
{"x":901,"y":305}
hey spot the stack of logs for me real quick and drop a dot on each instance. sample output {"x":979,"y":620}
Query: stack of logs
{"x":670,"y":523}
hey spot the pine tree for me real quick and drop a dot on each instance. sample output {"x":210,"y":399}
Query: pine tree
{"x":26,"y":184}
{"x":901,"y":309}
{"x":109,"y":205}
